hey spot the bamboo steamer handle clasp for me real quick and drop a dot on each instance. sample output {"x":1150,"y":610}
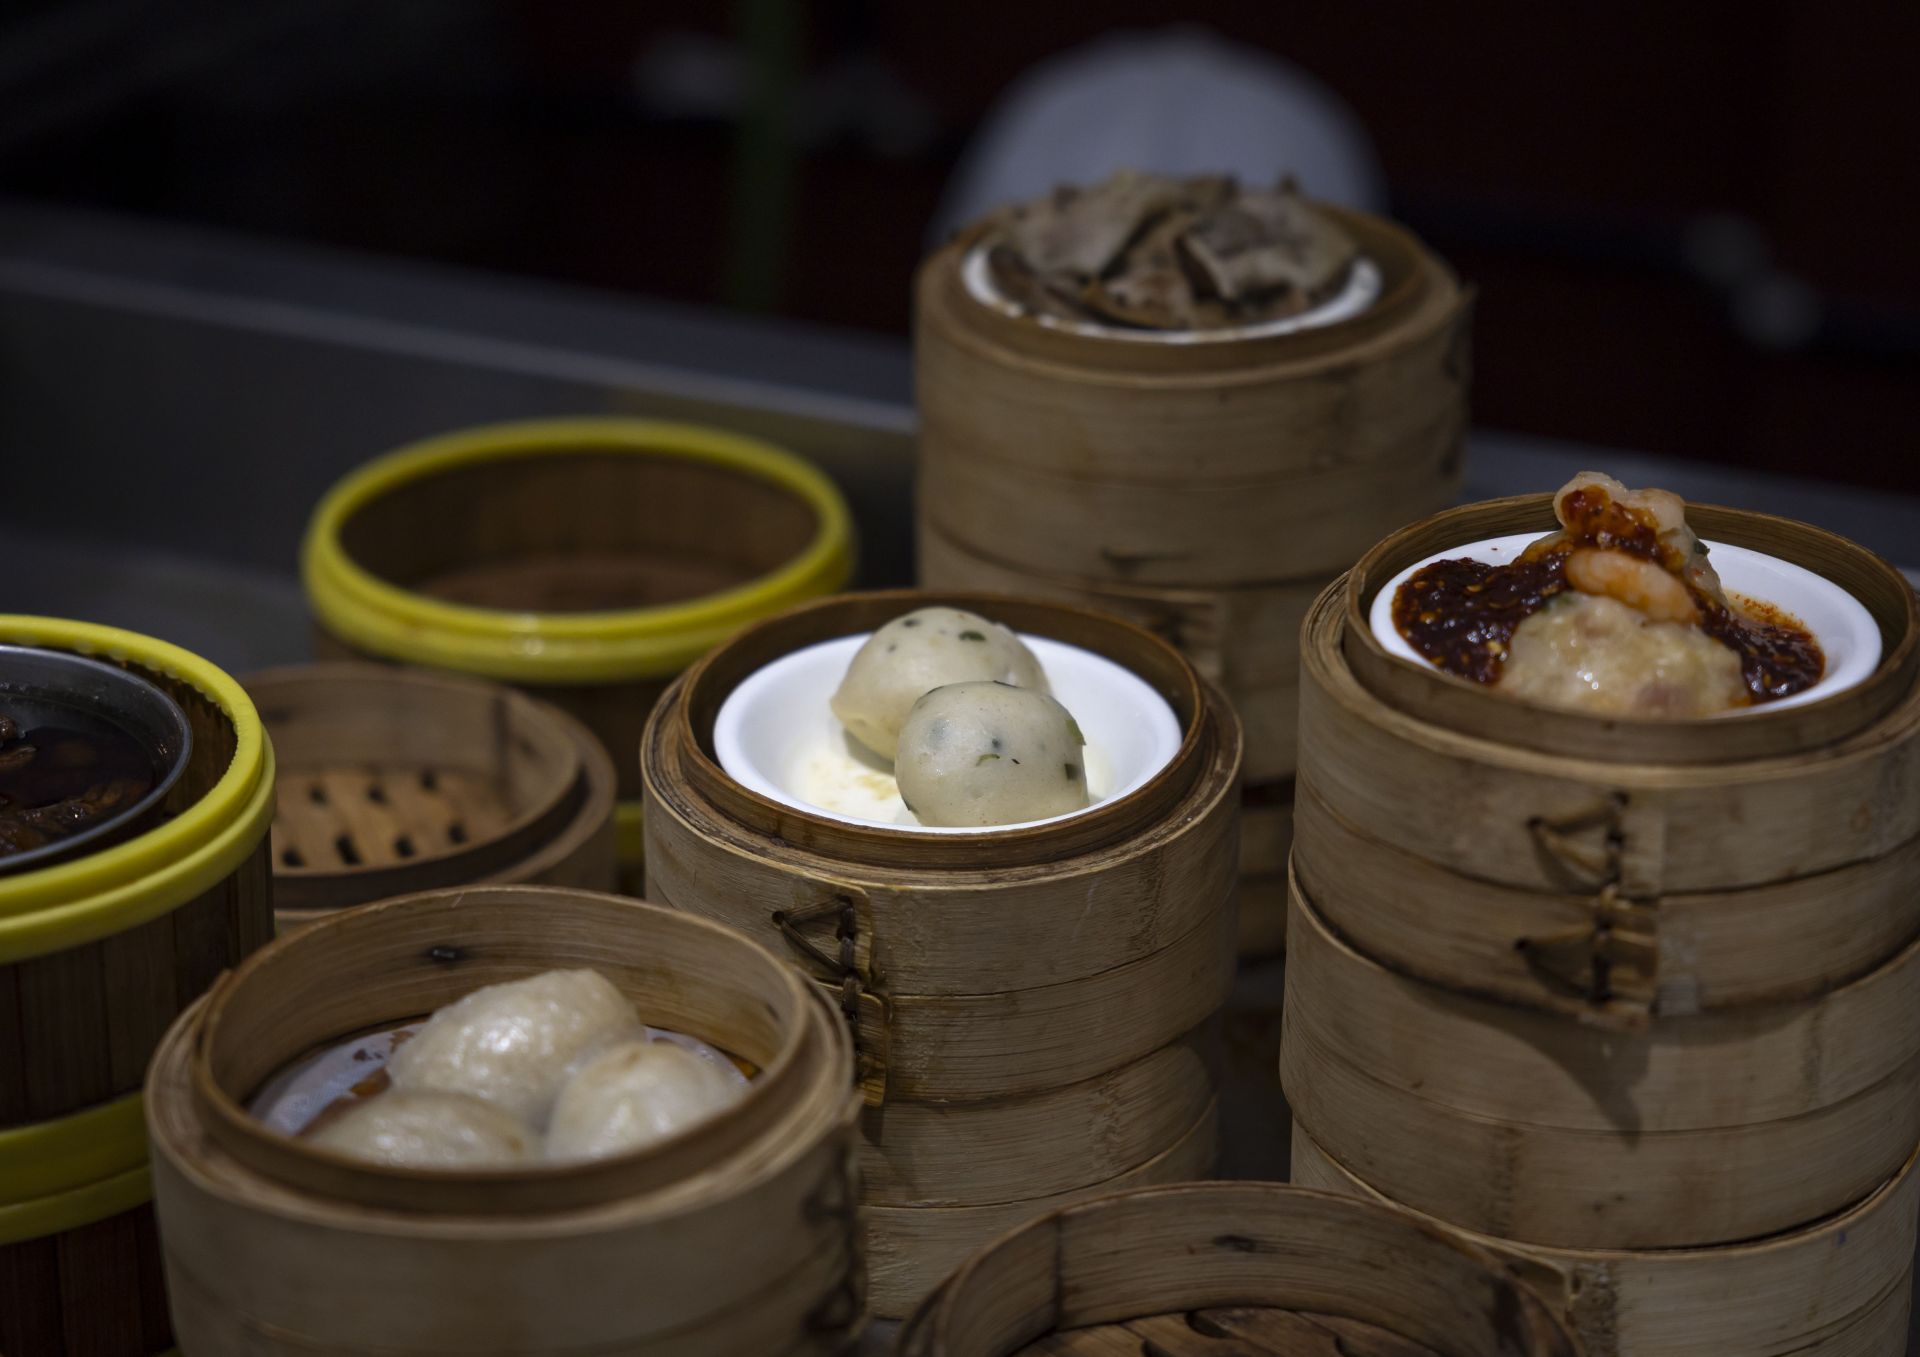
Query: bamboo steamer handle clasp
{"x":1612,"y":961}
{"x":833,"y":941}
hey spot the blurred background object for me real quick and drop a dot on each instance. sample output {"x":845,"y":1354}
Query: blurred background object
{"x":1689,"y":224}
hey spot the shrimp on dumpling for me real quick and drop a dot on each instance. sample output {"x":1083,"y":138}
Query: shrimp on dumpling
{"x":636,"y":1093}
{"x":511,"y":1043}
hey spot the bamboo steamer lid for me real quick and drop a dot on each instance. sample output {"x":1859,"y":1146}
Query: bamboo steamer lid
{"x":1693,"y":1131}
{"x":738,"y":1235}
{"x":1839,"y":1287}
{"x":1186,"y":1269}
{"x":395,"y":780}
{"x":1032,"y":1008}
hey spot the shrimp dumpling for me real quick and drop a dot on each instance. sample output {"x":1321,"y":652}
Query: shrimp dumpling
{"x":511,"y":1043}
{"x":633,"y":1094}
{"x":429,"y":1130}
{"x":990,"y":754}
{"x":911,"y":655}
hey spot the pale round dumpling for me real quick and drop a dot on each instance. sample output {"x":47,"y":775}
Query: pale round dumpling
{"x":634,"y":1094}
{"x":990,"y":754}
{"x":511,"y":1043}
{"x":911,"y":655}
{"x":429,"y":1130}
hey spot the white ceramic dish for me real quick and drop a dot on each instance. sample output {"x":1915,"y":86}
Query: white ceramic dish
{"x":777,"y":735}
{"x":1361,"y":291}
{"x":1841,"y":624}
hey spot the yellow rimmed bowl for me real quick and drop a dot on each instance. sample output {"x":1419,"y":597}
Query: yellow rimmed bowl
{"x":98,"y":954}
{"x":585,"y":560}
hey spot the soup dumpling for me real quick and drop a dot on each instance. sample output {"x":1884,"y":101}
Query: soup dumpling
{"x":424,"y":1129}
{"x":911,"y":655}
{"x":511,"y":1043}
{"x":634,"y":1094}
{"x":990,"y":754}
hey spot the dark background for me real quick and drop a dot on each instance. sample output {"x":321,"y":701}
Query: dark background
{"x":1692,"y":225}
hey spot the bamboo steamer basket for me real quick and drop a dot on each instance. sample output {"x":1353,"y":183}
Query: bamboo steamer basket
{"x":1186,"y":1270}
{"x":1204,"y":490}
{"x":737,"y":1236}
{"x":1010,"y":1052}
{"x":1700,"y":1130}
{"x":1628,"y":925}
{"x":98,"y":954}
{"x":1840,"y":1287}
{"x":585,"y":560}
{"x":396,"y":780}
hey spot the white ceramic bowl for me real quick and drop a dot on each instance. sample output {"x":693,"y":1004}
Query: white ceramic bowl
{"x":1841,"y":624}
{"x":1361,"y":291}
{"x":777,"y":735}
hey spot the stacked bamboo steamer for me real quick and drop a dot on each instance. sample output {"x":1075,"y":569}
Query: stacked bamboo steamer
{"x":1208,"y":1269}
{"x":397,"y":780}
{"x":98,"y":954}
{"x":586,"y":561}
{"x":736,"y":1236}
{"x":1633,"y":1002}
{"x":1205,"y":489}
{"x":1033,"y":1007}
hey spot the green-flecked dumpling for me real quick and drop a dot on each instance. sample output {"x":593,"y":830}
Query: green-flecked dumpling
{"x":989,"y":754}
{"x":912,"y":655}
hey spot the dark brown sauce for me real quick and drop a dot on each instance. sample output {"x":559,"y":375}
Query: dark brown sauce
{"x":56,"y":781}
{"x":1778,"y":657}
{"x":1461,"y":614}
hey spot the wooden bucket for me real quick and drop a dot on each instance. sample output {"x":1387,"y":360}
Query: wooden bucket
{"x":587,"y":561}
{"x":736,"y":1237}
{"x":1185,"y":1271}
{"x":397,"y":780}
{"x":1627,"y":925}
{"x":1206,"y":491}
{"x":1838,"y":1288}
{"x":98,"y":954}
{"x":1013,"y":993}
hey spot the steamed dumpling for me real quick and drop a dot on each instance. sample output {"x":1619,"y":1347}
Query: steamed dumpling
{"x":989,"y":754}
{"x":511,"y":1043}
{"x":911,"y":655}
{"x":429,"y":1130}
{"x":633,"y":1094}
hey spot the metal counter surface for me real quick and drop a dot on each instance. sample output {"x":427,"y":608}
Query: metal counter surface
{"x":196,"y":393}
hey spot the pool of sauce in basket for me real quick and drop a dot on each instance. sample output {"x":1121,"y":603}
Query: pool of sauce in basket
{"x":56,"y":781}
{"x":1461,"y":614}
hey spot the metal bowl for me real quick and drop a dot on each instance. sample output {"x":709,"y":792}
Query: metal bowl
{"x":40,"y":687}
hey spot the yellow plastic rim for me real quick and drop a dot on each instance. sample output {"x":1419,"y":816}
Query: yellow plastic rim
{"x":630,"y":833}
{"x":82,"y":1206}
{"x":49,"y":1158}
{"x":574,"y":647}
{"x":121,"y":887}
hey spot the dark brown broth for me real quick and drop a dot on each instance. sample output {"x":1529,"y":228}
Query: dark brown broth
{"x":56,"y":781}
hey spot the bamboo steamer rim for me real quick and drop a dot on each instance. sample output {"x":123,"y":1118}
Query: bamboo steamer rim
{"x":1410,"y":276}
{"x":1474,"y":710}
{"x":692,"y":705}
{"x":49,"y":1158}
{"x":535,"y":1189}
{"x":1836,"y":1225}
{"x":91,"y":897}
{"x":572,"y":647}
{"x":972,"y":1288}
{"x":553,"y":803}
